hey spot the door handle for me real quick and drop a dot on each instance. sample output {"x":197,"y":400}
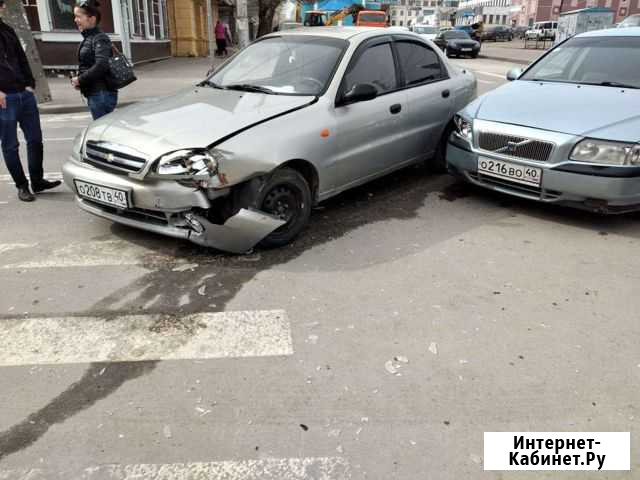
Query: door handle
{"x":395,"y":108}
{"x":446,"y":93}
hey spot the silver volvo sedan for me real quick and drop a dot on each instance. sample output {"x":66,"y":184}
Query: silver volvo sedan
{"x":288,"y":122}
{"x":566,"y":130}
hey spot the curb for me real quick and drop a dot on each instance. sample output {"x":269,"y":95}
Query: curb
{"x":73,"y":108}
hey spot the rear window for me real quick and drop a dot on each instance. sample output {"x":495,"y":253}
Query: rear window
{"x":455,"y":34}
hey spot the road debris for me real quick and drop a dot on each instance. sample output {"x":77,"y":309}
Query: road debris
{"x":203,"y":411}
{"x":433,"y":348}
{"x":202,"y":290}
{"x":393,"y":366}
{"x":185,"y":267}
{"x":313,"y":339}
{"x":334,"y":433}
{"x":166,"y":430}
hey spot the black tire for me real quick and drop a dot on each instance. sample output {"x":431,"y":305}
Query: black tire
{"x":438,"y":163}
{"x":447,"y":53}
{"x":286,"y":195}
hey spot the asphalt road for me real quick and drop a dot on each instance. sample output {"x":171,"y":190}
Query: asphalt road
{"x":127,"y":355}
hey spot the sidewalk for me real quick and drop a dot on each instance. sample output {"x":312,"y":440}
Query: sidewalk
{"x":155,"y":80}
{"x":513,"y":52}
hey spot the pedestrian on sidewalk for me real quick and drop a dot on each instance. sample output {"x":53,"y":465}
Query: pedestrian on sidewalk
{"x":221,"y":38}
{"x":93,"y":59}
{"x":18,"y":106}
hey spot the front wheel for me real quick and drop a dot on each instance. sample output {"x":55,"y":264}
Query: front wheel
{"x":287,"y":196}
{"x":438,"y":163}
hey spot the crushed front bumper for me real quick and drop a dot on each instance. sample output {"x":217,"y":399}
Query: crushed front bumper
{"x":604,"y":194}
{"x":168,"y":208}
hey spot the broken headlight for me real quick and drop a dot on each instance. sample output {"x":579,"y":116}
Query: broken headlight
{"x":464,"y":128}
{"x":189,"y":163}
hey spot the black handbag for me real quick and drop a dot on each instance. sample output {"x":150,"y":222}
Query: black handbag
{"x":120,"y":71}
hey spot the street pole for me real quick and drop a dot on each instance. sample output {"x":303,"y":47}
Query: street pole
{"x":210,"y":31}
{"x":242,"y":21}
{"x":125,"y":36}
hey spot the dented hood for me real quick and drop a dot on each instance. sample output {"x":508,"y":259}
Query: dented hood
{"x":582,"y":110}
{"x":192,"y":118}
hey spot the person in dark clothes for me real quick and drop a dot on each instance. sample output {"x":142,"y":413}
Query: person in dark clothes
{"x":93,"y":58}
{"x":18,"y":106}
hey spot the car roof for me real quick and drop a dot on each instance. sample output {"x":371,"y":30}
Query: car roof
{"x":613,"y":32}
{"x":344,"y":33}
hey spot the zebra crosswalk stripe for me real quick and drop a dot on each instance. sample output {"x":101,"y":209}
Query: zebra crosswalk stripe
{"x":150,"y":337}
{"x":304,"y":468}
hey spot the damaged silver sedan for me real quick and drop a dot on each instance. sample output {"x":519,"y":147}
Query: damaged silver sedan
{"x":288,"y":122}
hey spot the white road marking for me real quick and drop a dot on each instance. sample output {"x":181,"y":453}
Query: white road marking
{"x":7,"y":247}
{"x":104,"y":253}
{"x":64,"y":118}
{"x":497,"y":75}
{"x":305,"y":468}
{"x":486,"y":81}
{"x":132,"y":338}
{"x":47,"y":175}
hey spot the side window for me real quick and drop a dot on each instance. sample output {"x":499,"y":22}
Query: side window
{"x":374,"y":66}
{"x":419,"y":63}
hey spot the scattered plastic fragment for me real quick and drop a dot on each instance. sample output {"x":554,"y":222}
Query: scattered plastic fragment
{"x":334,"y":433}
{"x":167,"y":431}
{"x":339,"y":449}
{"x":313,"y":339}
{"x":185,"y":267}
{"x":390,"y":367}
{"x":401,"y":359}
{"x":433,"y":348}
{"x":202,"y":290}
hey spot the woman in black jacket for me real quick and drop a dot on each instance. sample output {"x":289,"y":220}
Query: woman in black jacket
{"x":93,"y":58}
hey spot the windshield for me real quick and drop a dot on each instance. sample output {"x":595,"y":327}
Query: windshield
{"x":291,"y":64}
{"x":456,"y":34}
{"x":630,"y":22}
{"x":425,"y":30}
{"x":609,"y":61}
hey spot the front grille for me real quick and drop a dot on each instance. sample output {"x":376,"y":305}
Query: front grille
{"x":529,"y":190}
{"x":109,"y":156}
{"x":516,"y":147}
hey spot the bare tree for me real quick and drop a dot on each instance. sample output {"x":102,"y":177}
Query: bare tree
{"x":17,"y":18}
{"x":266,"y":12}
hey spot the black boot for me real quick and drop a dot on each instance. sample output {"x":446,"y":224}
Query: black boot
{"x":43,"y":185}
{"x":25,"y":194}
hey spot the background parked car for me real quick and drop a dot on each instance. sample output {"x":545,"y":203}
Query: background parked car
{"x":630,"y":21}
{"x":542,"y":31}
{"x":497,"y":32}
{"x":426,"y":31}
{"x":474,"y":31}
{"x":519,"y":32}
{"x":457,"y":43}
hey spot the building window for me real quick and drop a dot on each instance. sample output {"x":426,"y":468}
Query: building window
{"x":31,"y":9}
{"x":62,"y":15}
{"x":149,"y":19}
{"x":401,"y":22}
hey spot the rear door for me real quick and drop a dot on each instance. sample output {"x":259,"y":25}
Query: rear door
{"x":429,"y":96}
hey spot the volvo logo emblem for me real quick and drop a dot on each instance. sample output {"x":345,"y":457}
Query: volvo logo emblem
{"x":511,"y":148}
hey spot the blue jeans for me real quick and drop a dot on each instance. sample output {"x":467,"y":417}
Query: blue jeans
{"x":22,"y":109}
{"x":102,"y":103}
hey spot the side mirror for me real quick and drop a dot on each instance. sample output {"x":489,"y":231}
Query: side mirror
{"x":360,"y":92}
{"x":514,"y":74}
